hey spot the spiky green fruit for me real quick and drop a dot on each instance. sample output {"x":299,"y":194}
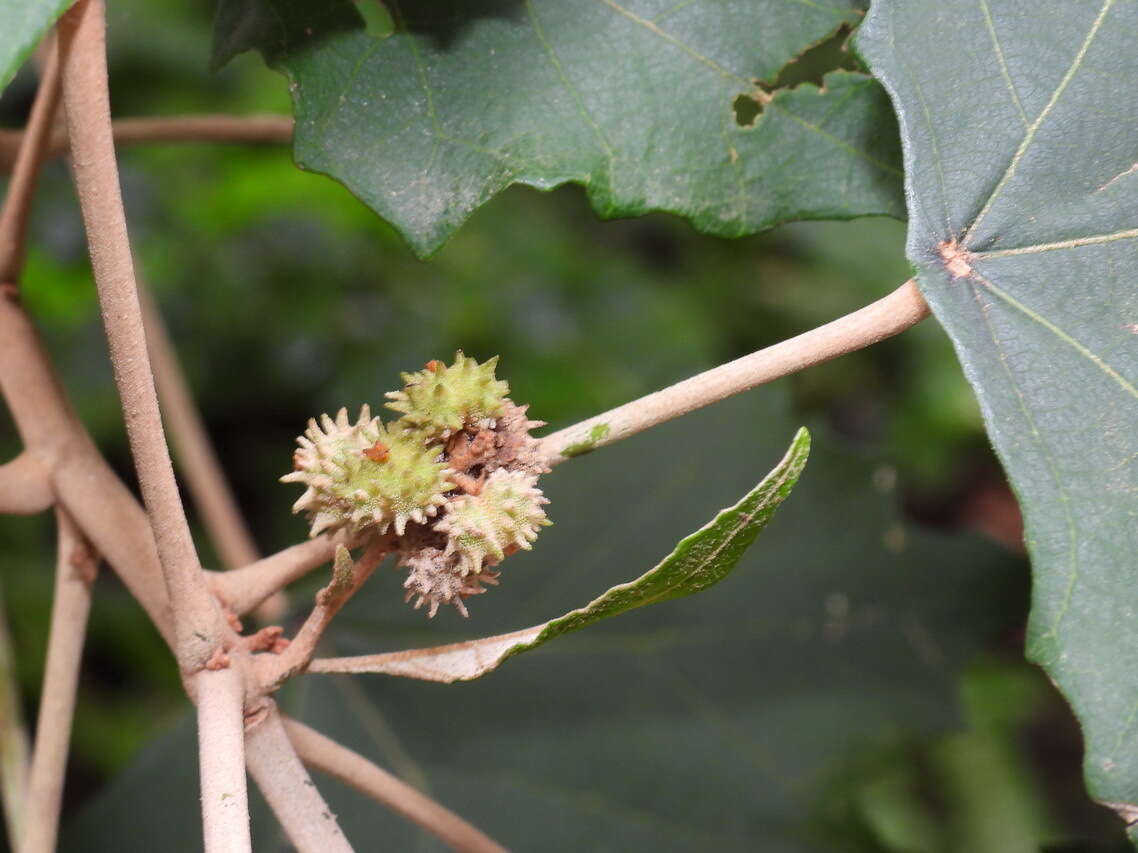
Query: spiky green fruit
{"x":506,"y":515}
{"x":365,"y":475}
{"x":440,"y":400}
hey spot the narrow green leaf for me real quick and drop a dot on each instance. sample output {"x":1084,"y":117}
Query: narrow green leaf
{"x":640,"y":101}
{"x":1021,"y":135}
{"x":22,"y":25}
{"x":700,"y":560}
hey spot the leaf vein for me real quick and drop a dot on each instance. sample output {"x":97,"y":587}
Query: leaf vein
{"x":578,"y":99}
{"x":671,"y":39}
{"x":1033,"y":128}
{"x":999,"y":51}
{"x":1093,"y":240}
{"x":1065,"y":337}
{"x":1072,"y":529}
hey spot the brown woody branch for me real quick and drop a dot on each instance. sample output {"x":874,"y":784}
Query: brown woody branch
{"x":198,"y":625}
{"x":14,"y":749}
{"x":30,"y":153}
{"x":25,"y":485}
{"x":347,"y":577}
{"x":891,"y":315}
{"x":75,"y":570}
{"x":220,"y":697}
{"x":279,"y":773}
{"x":244,"y":589}
{"x":85,"y":485}
{"x":196,"y":459}
{"x":242,"y":130}
{"x":324,"y":754}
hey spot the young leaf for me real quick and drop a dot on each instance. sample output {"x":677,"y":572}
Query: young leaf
{"x":1022,"y":181}
{"x":650,"y":106}
{"x":22,"y":25}
{"x":698,"y":561}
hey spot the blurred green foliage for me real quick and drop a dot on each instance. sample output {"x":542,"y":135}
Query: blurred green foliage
{"x":287,"y":297}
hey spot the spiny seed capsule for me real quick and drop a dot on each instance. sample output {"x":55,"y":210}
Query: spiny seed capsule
{"x":365,"y":475}
{"x":482,"y":529}
{"x":440,"y":400}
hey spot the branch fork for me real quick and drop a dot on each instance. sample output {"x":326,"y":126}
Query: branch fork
{"x":230,"y":677}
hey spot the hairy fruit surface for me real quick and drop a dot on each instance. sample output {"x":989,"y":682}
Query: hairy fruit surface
{"x":452,"y":483}
{"x":505,"y":516}
{"x":440,"y":400}
{"x":365,"y":475}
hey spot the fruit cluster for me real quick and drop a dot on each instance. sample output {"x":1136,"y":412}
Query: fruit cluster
{"x":453,"y":481}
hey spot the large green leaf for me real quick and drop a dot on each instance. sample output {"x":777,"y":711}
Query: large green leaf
{"x":700,"y":560}
{"x":636,"y":101}
{"x":22,"y":25}
{"x":1020,"y":126}
{"x":744,"y":718}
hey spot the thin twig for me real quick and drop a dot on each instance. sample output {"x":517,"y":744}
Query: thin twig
{"x":14,"y":748}
{"x":25,"y":171}
{"x":194,"y":454}
{"x":76,"y":565}
{"x":198,"y":624}
{"x":279,"y":773}
{"x":901,"y":309}
{"x":83,"y":482}
{"x":244,"y":589}
{"x":25,"y":485}
{"x":220,"y":696}
{"x":193,"y":450}
{"x":324,"y":754}
{"x":347,"y":577}
{"x":249,"y":130}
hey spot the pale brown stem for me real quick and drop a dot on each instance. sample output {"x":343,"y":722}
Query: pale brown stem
{"x":901,"y":309}
{"x":196,"y":458}
{"x":13,"y":740}
{"x":324,"y":754}
{"x":75,"y":569}
{"x":244,"y":589}
{"x":279,"y":773}
{"x":84,"y":484}
{"x":249,"y":130}
{"x":347,"y":577}
{"x":25,"y":171}
{"x":220,"y":698}
{"x":198,"y":624}
{"x":25,"y":485}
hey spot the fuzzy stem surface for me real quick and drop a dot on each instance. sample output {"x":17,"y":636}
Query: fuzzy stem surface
{"x":891,"y":315}
{"x":244,"y":589}
{"x":14,"y":747}
{"x":25,"y":171}
{"x":198,"y":625}
{"x":75,"y":570}
{"x":249,"y":130}
{"x":196,"y":458}
{"x":298,"y":805}
{"x":347,"y":577}
{"x":82,"y":481}
{"x":220,"y":697}
{"x":25,"y":485}
{"x":351,"y":768}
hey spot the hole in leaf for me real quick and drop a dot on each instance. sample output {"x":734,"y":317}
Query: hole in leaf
{"x":747,"y":110}
{"x":811,"y":65}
